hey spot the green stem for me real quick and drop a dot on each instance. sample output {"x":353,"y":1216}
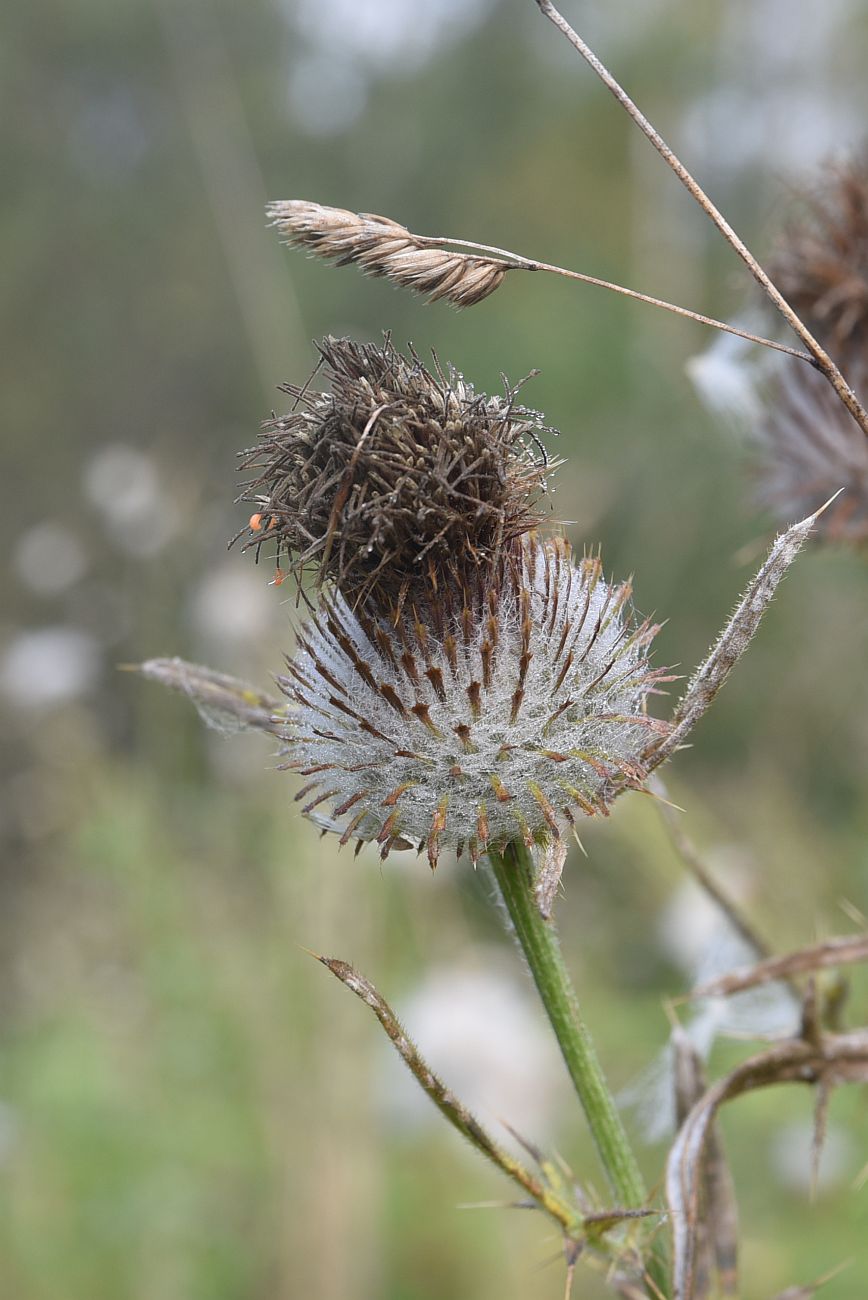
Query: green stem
{"x":514,"y":873}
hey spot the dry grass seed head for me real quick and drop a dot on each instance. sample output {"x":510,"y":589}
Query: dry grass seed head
{"x":382,"y":247}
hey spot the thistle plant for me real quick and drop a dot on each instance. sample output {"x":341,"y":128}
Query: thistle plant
{"x":809,"y":446}
{"x":464,"y":683}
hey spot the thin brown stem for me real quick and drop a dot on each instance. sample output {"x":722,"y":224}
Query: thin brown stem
{"x":822,"y":358}
{"x":519,"y":263}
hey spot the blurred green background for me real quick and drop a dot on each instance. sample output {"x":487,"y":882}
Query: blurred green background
{"x":190,"y":1107}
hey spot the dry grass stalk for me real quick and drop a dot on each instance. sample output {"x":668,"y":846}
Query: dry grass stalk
{"x":382,"y":247}
{"x":841,"y":951}
{"x":821,"y":358}
{"x":432,"y":266}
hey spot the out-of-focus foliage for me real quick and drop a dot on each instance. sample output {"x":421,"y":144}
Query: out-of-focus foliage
{"x":189,"y":1106}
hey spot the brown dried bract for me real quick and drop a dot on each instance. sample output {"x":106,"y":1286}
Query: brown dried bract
{"x":382,"y":247}
{"x":397,"y":476}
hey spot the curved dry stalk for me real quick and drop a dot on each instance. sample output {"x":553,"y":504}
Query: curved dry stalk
{"x":844,"y":950}
{"x":823,"y":361}
{"x":717,"y":1231}
{"x":546,"y":1190}
{"x":429,"y":265}
{"x":830,"y":1060}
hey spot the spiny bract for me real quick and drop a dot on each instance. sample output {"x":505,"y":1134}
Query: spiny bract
{"x":498,"y":709}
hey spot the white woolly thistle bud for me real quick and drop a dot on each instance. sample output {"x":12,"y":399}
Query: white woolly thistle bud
{"x":494,"y":710}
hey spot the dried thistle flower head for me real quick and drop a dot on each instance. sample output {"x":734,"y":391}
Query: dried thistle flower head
{"x":397,"y":476}
{"x":489,"y":711}
{"x":382,"y":247}
{"x":811,"y":446}
{"x":822,"y":264}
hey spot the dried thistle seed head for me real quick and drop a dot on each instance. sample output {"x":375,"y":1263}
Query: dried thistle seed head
{"x":382,"y":247}
{"x":810,"y":447}
{"x":822,"y":264}
{"x":398,"y":475}
{"x":490,"y":711}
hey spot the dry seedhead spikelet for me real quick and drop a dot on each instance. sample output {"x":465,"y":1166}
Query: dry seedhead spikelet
{"x":382,"y":247}
{"x":812,"y":446}
{"x":398,"y":476}
{"x":495,"y":708}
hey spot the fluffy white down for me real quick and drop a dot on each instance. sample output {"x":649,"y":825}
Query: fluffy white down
{"x":382,"y":771}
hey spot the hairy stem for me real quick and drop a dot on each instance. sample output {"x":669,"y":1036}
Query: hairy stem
{"x":823,"y":360}
{"x":514,"y":873}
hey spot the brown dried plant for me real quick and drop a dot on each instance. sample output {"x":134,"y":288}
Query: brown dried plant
{"x":396,"y":474}
{"x":821,"y":263}
{"x":383,"y":247}
{"x":809,"y":445}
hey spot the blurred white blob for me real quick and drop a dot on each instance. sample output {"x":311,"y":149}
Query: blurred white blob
{"x":326,"y":94}
{"x":48,"y":667}
{"x":122,"y":483}
{"x":348,"y":43}
{"x":698,"y":937}
{"x":785,"y":104}
{"x":624,"y":25}
{"x":48,"y":558}
{"x":479,"y":1030}
{"x":691,"y":926}
{"x":232,"y":606}
{"x":109,"y":133}
{"x":792,"y":127}
{"x":728,"y":377}
{"x":388,"y":34}
{"x":791,"y":1163}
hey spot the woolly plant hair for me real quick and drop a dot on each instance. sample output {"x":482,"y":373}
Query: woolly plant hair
{"x":492,"y":710}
